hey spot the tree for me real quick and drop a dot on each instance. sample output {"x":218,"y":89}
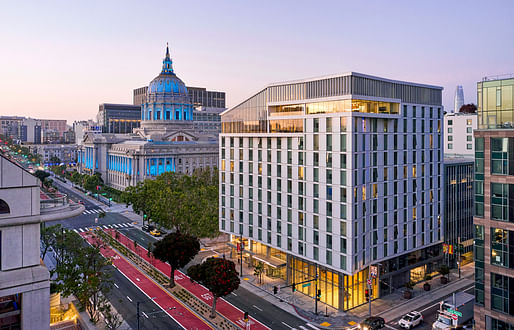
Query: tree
{"x":112,"y":319}
{"x":218,"y":275}
{"x":468,"y":108}
{"x":81,"y":272}
{"x":55,"y":159}
{"x":258,"y":270}
{"x":77,"y":178}
{"x":186,"y":203}
{"x":41,"y":175}
{"x":49,"y":237}
{"x":91,"y":182}
{"x":178,"y":250}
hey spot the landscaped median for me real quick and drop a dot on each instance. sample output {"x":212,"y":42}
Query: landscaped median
{"x":147,"y":264}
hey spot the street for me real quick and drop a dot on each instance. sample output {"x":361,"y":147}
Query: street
{"x":429,"y":312}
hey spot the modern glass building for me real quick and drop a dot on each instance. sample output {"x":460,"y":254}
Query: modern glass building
{"x":328,"y":176}
{"x":458,"y":99}
{"x":458,"y":209}
{"x":494,"y":204}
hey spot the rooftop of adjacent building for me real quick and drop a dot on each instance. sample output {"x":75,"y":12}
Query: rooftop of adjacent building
{"x":502,"y":76}
{"x":458,"y":159}
{"x":357,"y":74}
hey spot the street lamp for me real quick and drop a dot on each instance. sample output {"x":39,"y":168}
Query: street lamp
{"x":137,"y":309}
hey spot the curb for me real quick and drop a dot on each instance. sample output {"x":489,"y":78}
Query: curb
{"x":409,"y":301}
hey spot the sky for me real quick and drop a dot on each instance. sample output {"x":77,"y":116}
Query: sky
{"x":61,"y":59}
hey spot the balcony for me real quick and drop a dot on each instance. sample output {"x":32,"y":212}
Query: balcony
{"x":56,"y":206}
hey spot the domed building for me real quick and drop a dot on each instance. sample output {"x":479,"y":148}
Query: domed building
{"x":165,"y":142}
{"x":167,"y":113}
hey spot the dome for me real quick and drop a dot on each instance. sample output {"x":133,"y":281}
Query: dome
{"x":167,"y":81}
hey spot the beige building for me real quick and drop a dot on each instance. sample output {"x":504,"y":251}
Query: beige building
{"x":24,"y":279}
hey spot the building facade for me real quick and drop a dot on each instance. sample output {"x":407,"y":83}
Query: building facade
{"x":198,"y":96}
{"x":458,"y":209}
{"x":118,"y":118}
{"x":458,"y":99}
{"x":166,"y":141}
{"x":207,"y":120}
{"x":458,"y":137}
{"x":66,"y":153}
{"x":24,"y":279}
{"x":494,"y":205}
{"x":329,"y":176}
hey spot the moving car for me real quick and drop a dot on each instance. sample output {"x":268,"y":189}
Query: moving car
{"x":148,"y":228}
{"x":156,"y":233}
{"x":411,"y":320}
{"x":80,"y":202}
{"x":372,"y":323}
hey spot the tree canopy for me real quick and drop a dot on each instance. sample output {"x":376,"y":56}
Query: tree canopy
{"x":177,"y":249}
{"x":218,"y":275}
{"x":187,"y":203}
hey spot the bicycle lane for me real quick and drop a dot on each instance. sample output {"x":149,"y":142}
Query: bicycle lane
{"x":225,"y":308}
{"x":163,"y":299}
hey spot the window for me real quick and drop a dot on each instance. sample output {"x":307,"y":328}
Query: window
{"x":450,"y":145}
{"x":469,"y":138}
{"x":450,"y":122}
{"x":469,"y":129}
{"x":502,"y":156}
{"x":494,"y":324}
{"x":469,"y":122}
{"x":450,"y":137}
{"x":4,"y":208}
{"x":502,"y":245}
{"x":500,"y":287}
{"x":450,"y":130}
{"x":469,"y":146}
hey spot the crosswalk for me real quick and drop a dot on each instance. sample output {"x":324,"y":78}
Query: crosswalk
{"x":111,"y":226}
{"x":92,"y":211}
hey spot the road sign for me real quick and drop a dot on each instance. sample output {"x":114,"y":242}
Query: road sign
{"x":455,"y":317}
{"x":96,"y":220}
{"x":306,"y":285}
{"x":369,"y":282}
{"x":451,"y":311}
{"x":373,"y":271}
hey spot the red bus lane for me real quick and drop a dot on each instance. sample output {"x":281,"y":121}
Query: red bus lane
{"x":223,"y":307}
{"x":163,"y":299}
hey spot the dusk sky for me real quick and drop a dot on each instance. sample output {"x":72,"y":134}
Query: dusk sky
{"x":61,"y":59}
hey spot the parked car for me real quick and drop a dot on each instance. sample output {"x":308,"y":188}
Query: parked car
{"x":410,"y":320}
{"x":80,"y":202}
{"x":148,"y":228}
{"x":372,"y":323}
{"x":156,"y":233}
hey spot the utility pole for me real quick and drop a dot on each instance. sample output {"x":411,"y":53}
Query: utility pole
{"x":458,"y":254}
{"x":137,"y":313}
{"x":241,"y":248}
{"x":316,"y":293}
{"x":369,"y":294}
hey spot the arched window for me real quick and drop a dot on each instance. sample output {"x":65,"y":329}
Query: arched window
{"x":4,"y":208}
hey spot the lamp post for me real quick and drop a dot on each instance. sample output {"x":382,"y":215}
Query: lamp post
{"x":137,"y":309}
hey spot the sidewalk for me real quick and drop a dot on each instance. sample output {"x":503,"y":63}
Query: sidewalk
{"x":389,"y":307}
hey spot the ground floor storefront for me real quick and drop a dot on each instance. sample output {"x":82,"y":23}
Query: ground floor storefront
{"x":336,"y":289}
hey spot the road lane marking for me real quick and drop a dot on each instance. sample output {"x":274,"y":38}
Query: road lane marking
{"x":81,"y":230}
{"x":105,"y":227}
{"x":75,"y":230}
{"x":390,"y":327}
{"x":257,"y":308}
{"x":115,"y":225}
{"x":144,"y":314}
{"x":424,"y":309}
{"x":129,"y":298}
{"x":234,"y":294}
{"x":302,"y":327}
{"x":116,"y":285}
{"x":310,"y":325}
{"x":287,"y":325}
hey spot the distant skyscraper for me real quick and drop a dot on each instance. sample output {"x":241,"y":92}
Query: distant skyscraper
{"x":459,"y":98}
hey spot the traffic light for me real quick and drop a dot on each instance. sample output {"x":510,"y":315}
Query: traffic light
{"x":293,"y":287}
{"x":318,"y":295}
{"x":144,"y":216}
{"x":366,"y":294}
{"x":246,"y":317}
{"x":275,"y":290}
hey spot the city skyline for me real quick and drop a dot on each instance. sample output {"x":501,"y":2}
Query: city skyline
{"x":77,"y":56}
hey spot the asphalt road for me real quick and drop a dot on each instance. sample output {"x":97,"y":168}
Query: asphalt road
{"x":260,"y":309}
{"x":429,"y":312}
{"x":124,"y":295}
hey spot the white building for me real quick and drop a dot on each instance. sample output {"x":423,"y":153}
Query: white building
{"x":24,"y":279}
{"x":166,"y":141}
{"x":82,"y":127}
{"x":458,"y":136}
{"x":332,"y":175}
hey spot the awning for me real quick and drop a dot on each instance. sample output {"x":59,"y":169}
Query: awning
{"x":270,"y":262}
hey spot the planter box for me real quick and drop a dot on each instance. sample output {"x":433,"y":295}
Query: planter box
{"x":444,"y":280}
{"x":407,"y":294}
